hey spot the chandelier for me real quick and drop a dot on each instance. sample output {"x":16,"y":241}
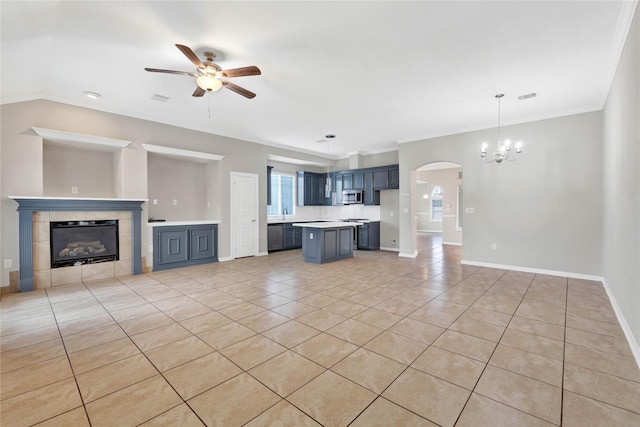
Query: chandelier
{"x":504,"y":146}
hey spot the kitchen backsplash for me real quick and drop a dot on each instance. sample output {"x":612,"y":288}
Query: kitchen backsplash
{"x":338,"y":212}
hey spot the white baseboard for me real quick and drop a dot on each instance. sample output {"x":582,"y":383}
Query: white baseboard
{"x":224,"y":259}
{"x":633,"y":343}
{"x":532,"y":270}
{"x":390,"y":249}
{"x":262,"y":253}
{"x":452,"y":243}
{"x":429,"y":231}
{"x":635,"y":348}
{"x":412,"y":255}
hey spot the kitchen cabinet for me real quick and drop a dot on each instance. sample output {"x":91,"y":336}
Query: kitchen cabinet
{"x":353,"y":180}
{"x":369,"y":236}
{"x":310,"y":191}
{"x":292,"y":237}
{"x":386,"y":178}
{"x":327,"y":242}
{"x":371,"y":196}
{"x":179,"y":246}
{"x":394,"y":178}
{"x":269,"y":169}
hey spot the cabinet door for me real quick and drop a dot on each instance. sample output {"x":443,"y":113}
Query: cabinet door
{"x":288,"y":240}
{"x":371,"y":196}
{"x":338,"y":189}
{"x":202,"y":242}
{"x":297,"y":237}
{"x":269,"y":168}
{"x":172,"y":246}
{"x":358,"y":180}
{"x":381,"y":179}
{"x":347,"y":181}
{"x":363,"y":237}
{"x":394,"y":178}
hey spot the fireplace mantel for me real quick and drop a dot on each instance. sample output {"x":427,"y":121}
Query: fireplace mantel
{"x":27,"y":205}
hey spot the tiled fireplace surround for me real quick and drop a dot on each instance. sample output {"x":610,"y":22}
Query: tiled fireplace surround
{"x":44,"y":276}
{"x":35,"y":257}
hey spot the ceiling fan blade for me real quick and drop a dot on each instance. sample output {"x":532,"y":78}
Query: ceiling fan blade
{"x":199,"y":92}
{"x":240,"y":72}
{"x":159,"y":70}
{"x":239,"y":90}
{"x":192,"y":56}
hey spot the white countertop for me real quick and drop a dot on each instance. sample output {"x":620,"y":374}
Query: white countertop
{"x":108,"y":199}
{"x":326,"y":224}
{"x":172,"y":223}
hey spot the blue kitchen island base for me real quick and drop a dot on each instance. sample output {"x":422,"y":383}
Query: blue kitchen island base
{"x":326,"y":242}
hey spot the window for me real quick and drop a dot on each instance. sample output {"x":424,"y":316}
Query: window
{"x":436,"y":203}
{"x":282,"y":194}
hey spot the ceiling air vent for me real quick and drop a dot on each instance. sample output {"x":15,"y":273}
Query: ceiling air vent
{"x":160,"y":98}
{"x":527,"y":96}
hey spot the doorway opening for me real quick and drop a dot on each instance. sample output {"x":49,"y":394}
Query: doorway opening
{"x":438,"y":203}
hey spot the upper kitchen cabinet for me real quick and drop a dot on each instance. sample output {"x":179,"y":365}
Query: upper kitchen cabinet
{"x":386,"y":178}
{"x":310,"y":188}
{"x":353,"y":180}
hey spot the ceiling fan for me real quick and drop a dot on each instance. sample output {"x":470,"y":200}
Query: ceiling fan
{"x":209,"y":76}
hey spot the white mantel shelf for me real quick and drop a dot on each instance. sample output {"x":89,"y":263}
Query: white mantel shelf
{"x":107,"y":199}
{"x":173,"y":223}
{"x":79,"y":138}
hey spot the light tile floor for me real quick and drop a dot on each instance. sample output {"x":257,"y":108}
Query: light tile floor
{"x":376,"y":340}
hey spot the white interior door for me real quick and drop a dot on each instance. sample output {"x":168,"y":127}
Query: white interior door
{"x":244,"y":214}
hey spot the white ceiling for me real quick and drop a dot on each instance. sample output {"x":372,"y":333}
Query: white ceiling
{"x":374,"y":73}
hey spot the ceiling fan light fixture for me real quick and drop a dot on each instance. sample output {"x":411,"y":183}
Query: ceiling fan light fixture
{"x":208,"y":82}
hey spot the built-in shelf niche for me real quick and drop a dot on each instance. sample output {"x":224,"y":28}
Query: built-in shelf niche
{"x":79,"y":165}
{"x":182,"y":184}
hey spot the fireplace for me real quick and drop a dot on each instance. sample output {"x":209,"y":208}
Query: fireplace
{"x":76,"y":243}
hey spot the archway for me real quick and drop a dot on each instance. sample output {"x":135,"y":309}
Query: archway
{"x":437,"y":201}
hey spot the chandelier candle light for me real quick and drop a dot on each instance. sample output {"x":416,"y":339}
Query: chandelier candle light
{"x":504,"y":147}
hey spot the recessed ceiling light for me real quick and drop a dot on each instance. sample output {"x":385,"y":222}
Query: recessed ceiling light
{"x":92,"y":95}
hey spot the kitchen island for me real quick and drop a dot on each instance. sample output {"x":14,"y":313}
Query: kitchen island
{"x":326,"y":241}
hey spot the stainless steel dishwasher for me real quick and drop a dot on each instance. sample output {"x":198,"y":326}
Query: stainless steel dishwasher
{"x":274,"y":237}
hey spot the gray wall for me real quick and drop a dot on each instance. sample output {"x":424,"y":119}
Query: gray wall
{"x":621,"y":266}
{"x":172,"y":179}
{"x":22,"y":164}
{"x":543,"y":211}
{"x":64,"y":167}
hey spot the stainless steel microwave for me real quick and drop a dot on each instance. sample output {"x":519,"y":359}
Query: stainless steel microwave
{"x":352,"y":197}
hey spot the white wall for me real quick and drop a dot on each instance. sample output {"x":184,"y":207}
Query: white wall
{"x":543,"y":211}
{"x":621,"y":230}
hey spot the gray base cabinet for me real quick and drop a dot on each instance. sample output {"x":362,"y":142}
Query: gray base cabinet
{"x":180,"y":246}
{"x":292,"y":237}
{"x":320,"y":245}
{"x":369,"y":236}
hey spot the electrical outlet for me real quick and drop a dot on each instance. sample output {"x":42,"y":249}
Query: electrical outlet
{"x":155,"y":201}
{"x":150,"y":248}
{"x":494,"y":246}
{"x":74,"y":190}
{"x":470,"y":210}
{"x":8,"y":263}
{"x":175,"y":202}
